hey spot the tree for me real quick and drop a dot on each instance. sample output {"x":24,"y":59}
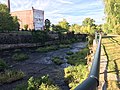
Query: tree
{"x":7,"y":22}
{"x":88,"y":26}
{"x":64,"y":24}
{"x":26,"y":26}
{"x":112,"y":10}
{"x":47,"y":24}
{"x":76,"y":28}
{"x":88,"y":21}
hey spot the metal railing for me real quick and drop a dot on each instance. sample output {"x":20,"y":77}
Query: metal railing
{"x":92,"y":82}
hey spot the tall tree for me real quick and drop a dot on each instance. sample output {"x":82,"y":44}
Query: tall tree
{"x":47,"y":24}
{"x":88,"y":21}
{"x":64,"y":24}
{"x":112,"y":10}
{"x":7,"y":22}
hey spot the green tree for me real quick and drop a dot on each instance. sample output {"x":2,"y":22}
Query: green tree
{"x":88,"y":21}
{"x":88,"y":26}
{"x":26,"y":26}
{"x":7,"y":22}
{"x":112,"y":10}
{"x":76,"y":28}
{"x":47,"y":24}
{"x":64,"y":24}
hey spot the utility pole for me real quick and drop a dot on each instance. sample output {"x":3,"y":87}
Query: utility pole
{"x":8,"y":5}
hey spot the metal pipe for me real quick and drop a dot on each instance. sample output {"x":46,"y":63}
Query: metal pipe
{"x":92,"y":82}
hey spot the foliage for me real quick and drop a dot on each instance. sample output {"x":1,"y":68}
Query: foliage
{"x":74,"y":75}
{"x":76,"y":28}
{"x":57,"y":60}
{"x":112,"y":8}
{"x":41,"y":83}
{"x":64,"y":24}
{"x":20,"y":57}
{"x":46,"y":49}
{"x":78,"y":57}
{"x":26,"y":26}
{"x":88,"y":21}
{"x":69,"y":53}
{"x":47,"y":24}
{"x":3,"y":64}
{"x":7,"y":22}
{"x":40,"y":36}
{"x":21,"y":87}
{"x":64,"y":46}
{"x":58,"y":28}
{"x":9,"y":76}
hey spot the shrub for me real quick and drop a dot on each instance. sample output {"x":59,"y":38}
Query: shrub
{"x":21,"y":87}
{"x":10,"y":75}
{"x":41,"y":83}
{"x":69,"y":53}
{"x":74,"y":75}
{"x":20,"y":56}
{"x":3,"y":64}
{"x":78,"y":57}
{"x":57,"y":60}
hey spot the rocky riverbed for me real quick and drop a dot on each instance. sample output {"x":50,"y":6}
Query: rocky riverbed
{"x":40,"y":64}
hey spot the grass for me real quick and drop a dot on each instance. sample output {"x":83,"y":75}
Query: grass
{"x":20,"y":57}
{"x":10,"y":75}
{"x":3,"y":64}
{"x":51,"y":48}
{"x":57,"y":60}
{"x":64,"y":46}
{"x":112,"y":48}
{"x":46,"y":49}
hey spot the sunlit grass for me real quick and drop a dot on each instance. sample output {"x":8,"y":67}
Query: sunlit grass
{"x":112,"y":47}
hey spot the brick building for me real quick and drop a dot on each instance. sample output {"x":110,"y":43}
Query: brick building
{"x":33,"y":18}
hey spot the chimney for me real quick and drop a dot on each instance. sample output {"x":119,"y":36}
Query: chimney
{"x":8,"y":5}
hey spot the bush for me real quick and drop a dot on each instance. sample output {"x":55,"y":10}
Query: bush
{"x":3,"y":65}
{"x":57,"y":60}
{"x":9,"y":76}
{"x":21,"y":87}
{"x":40,"y":83}
{"x":74,"y":75}
{"x":69,"y":53}
{"x":78,"y":57}
{"x":20,"y":56}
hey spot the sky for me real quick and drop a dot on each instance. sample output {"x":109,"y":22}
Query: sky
{"x":74,"y":11}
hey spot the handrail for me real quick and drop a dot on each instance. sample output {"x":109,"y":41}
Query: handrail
{"x":92,"y":82}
